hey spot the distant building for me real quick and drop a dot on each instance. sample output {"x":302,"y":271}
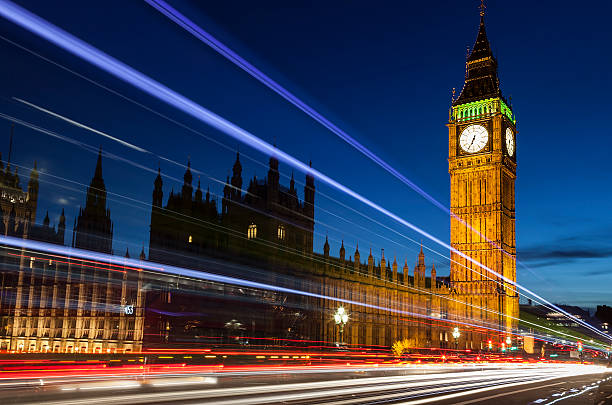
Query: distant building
{"x":62,"y":304}
{"x":190,"y":223}
{"x":93,"y":229}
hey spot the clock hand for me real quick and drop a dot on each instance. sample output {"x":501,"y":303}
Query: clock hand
{"x":473,"y":139}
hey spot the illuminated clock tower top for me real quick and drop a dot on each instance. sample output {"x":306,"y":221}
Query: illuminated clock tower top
{"x":482,"y":168}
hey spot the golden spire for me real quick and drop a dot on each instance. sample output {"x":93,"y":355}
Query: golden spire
{"x":482,"y":8}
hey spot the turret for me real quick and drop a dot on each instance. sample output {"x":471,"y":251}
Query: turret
{"x":273,"y":181}
{"x":394,"y":269}
{"x":370,"y":264}
{"x":236,"y":193}
{"x":326,"y":248}
{"x":187,"y":187}
{"x":433,"y":276}
{"x":61,"y":227}
{"x":419,"y":270}
{"x":357,"y":256}
{"x":309,"y":195}
{"x":342,"y":252}
{"x":405,"y":271}
{"x":158,"y":193}
{"x":198,"y":193}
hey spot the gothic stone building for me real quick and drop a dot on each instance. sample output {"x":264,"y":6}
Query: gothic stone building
{"x":51,"y":302}
{"x":265,"y":233}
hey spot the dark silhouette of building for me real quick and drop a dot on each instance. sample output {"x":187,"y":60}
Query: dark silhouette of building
{"x":267,"y":221}
{"x":17,"y":206}
{"x":93,"y":228}
{"x":48,"y":233}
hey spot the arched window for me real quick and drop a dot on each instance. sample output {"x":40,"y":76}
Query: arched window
{"x":190,"y":239}
{"x":252,"y":231}
{"x":281,"y":232}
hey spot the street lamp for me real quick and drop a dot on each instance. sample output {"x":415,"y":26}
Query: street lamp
{"x":508,"y":340}
{"x":341,"y":318}
{"x":456,"y":335}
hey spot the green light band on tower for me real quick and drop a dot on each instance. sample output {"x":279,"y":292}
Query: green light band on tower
{"x":480,"y":109}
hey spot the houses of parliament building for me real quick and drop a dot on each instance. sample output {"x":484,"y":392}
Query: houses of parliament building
{"x":263,"y":232}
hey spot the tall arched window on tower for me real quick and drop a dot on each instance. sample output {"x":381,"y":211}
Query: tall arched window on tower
{"x":252,"y":231}
{"x":281,"y":232}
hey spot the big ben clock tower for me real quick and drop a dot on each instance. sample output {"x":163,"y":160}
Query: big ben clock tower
{"x":482,"y":166}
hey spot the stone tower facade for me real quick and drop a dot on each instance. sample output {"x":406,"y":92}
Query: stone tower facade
{"x":482,"y":167}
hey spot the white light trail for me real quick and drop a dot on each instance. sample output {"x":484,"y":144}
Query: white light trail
{"x":54,"y":63}
{"x":78,"y":124}
{"x":83,"y":50}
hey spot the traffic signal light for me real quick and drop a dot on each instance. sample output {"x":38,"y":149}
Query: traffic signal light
{"x":579,"y":346}
{"x":490,"y":345}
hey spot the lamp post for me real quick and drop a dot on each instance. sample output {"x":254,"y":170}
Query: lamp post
{"x":456,"y":335}
{"x":341,"y":318}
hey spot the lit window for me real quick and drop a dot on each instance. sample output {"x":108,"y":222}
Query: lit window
{"x":252,"y":231}
{"x":190,"y":239}
{"x":281,"y":232}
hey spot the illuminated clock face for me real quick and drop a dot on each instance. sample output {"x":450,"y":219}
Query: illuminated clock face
{"x":473,"y":138}
{"x":509,"y":142}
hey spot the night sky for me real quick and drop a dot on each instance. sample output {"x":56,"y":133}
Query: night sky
{"x":382,"y":71}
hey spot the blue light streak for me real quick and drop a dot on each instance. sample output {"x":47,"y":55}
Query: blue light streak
{"x":83,"y":50}
{"x":194,"y":274}
{"x":204,"y":36}
{"x":232,"y":56}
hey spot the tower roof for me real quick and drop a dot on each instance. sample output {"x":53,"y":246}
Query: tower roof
{"x":481,"y":80}
{"x":188,"y":177}
{"x":98,"y":172}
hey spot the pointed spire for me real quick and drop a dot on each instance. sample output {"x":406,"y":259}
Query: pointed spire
{"x":481,"y":81}
{"x":237,"y":164}
{"x":198,"y":193}
{"x":421,"y":256}
{"x":326,"y":247}
{"x":142,"y":254}
{"x":158,"y":179}
{"x":127,"y":253}
{"x":188,"y":177}
{"x":46,"y":220}
{"x":98,"y":172}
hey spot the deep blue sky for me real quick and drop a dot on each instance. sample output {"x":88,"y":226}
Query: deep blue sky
{"x":381,"y":71}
